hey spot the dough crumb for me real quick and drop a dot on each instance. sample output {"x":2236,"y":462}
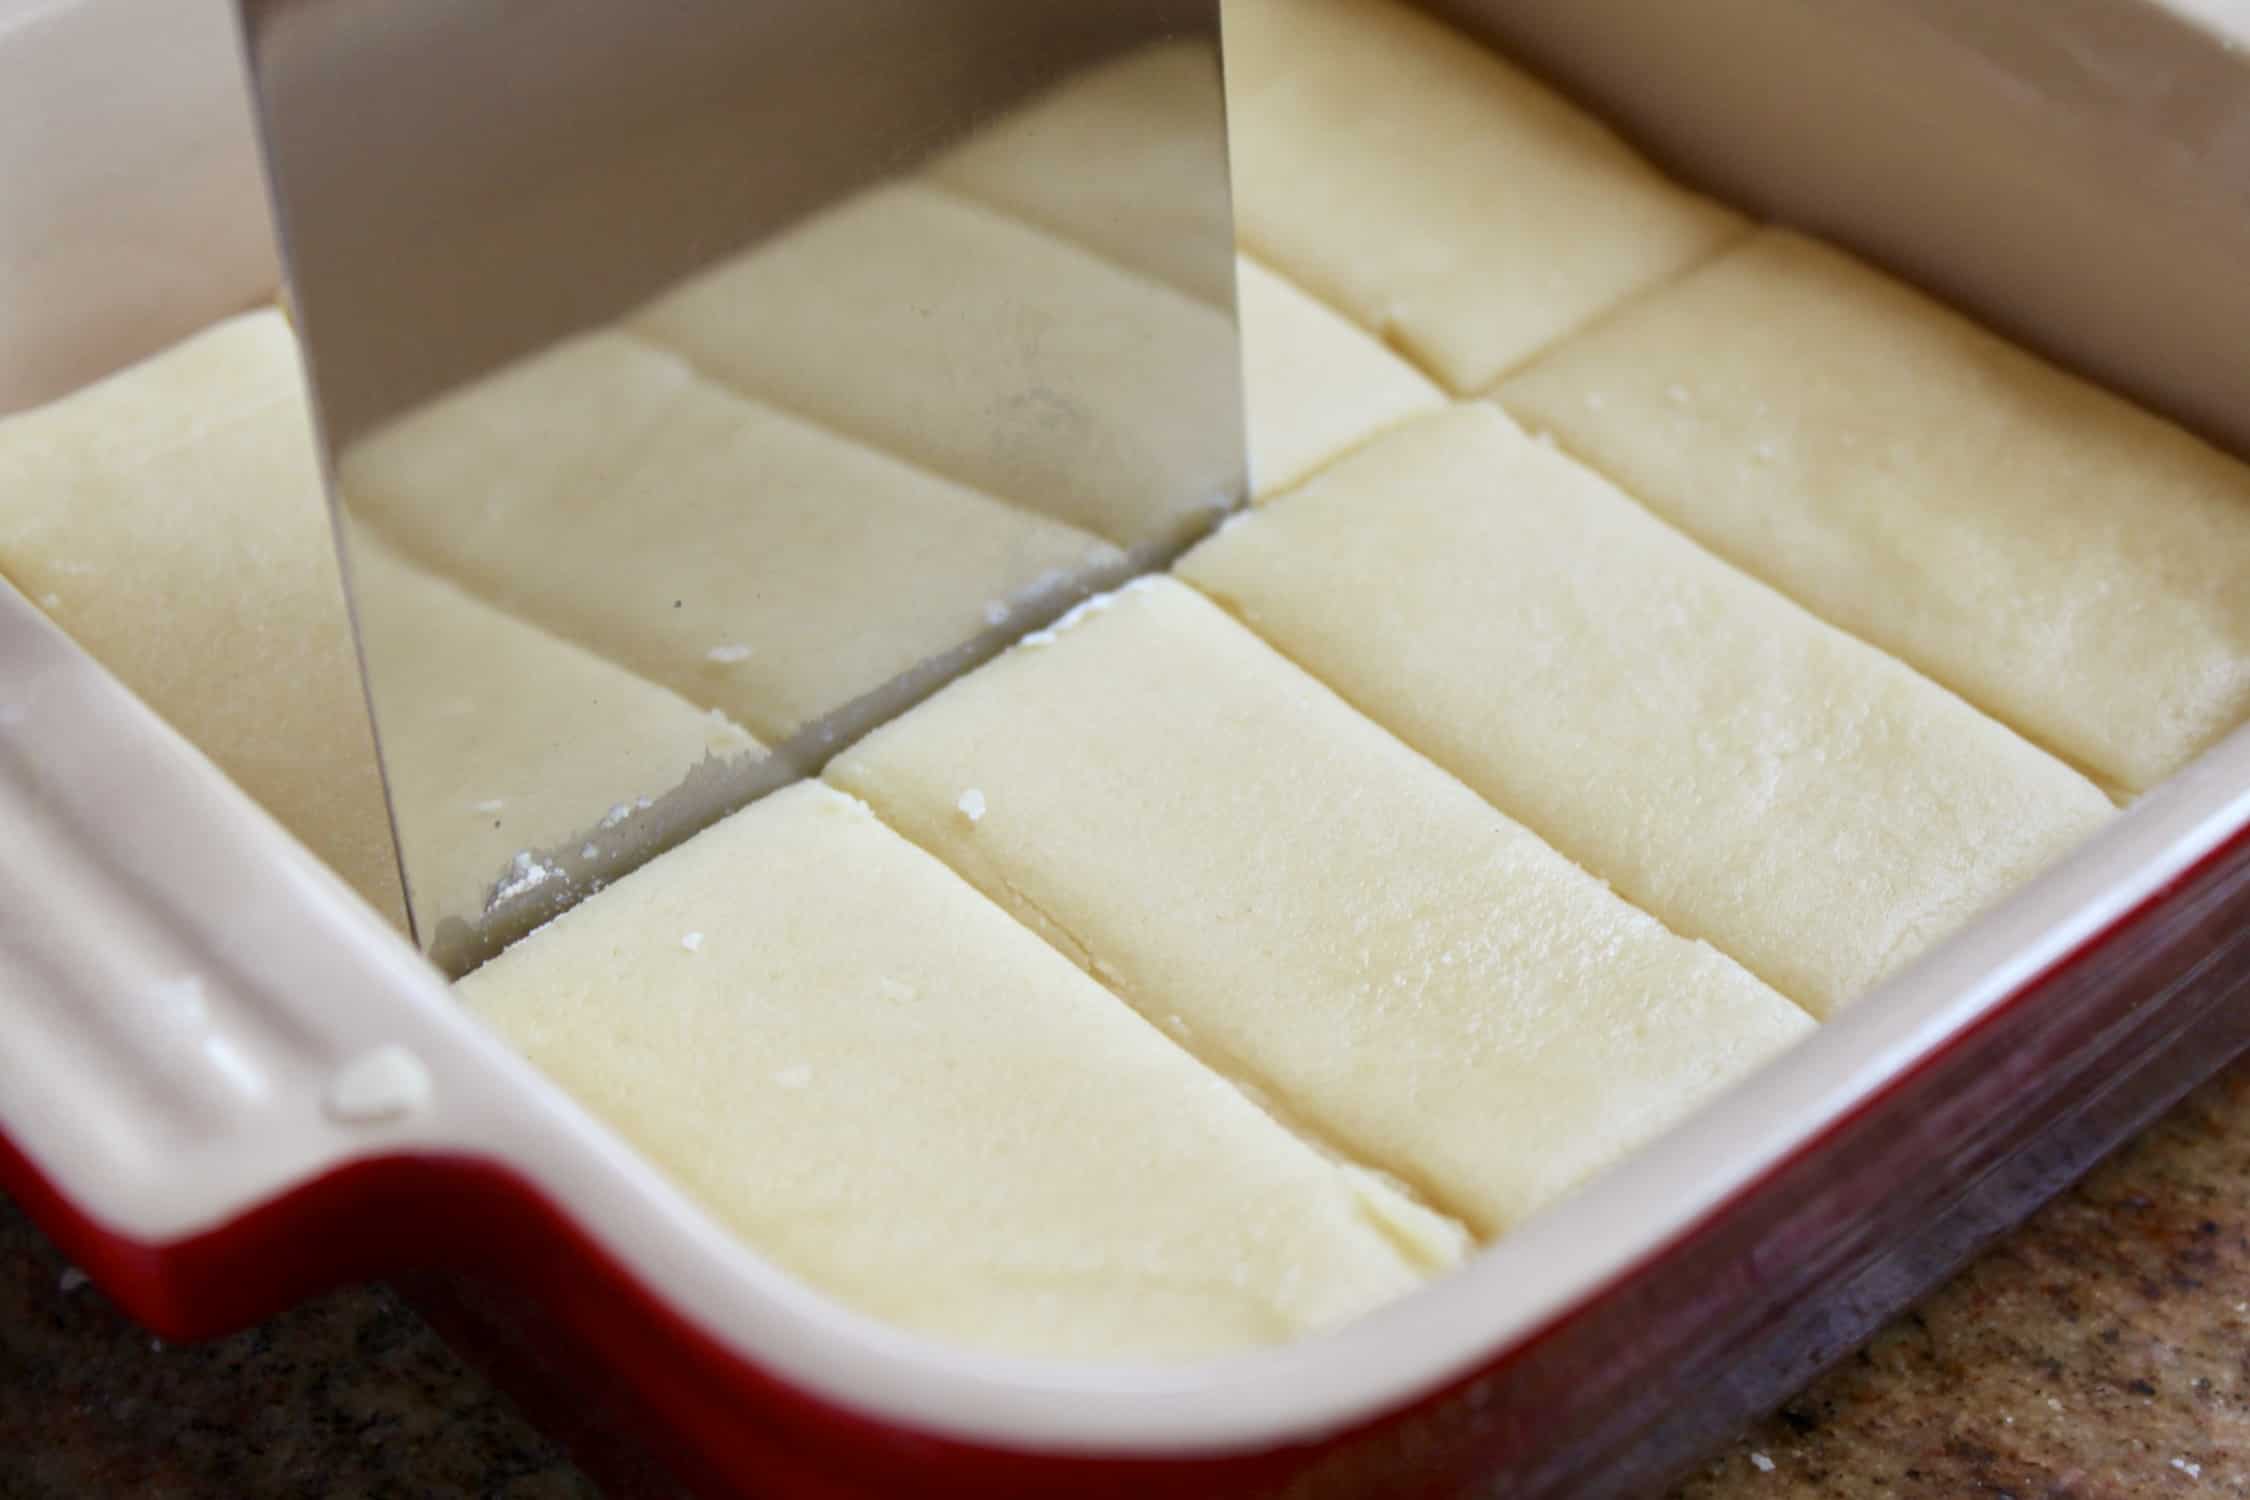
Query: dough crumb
{"x":1676,"y":393}
{"x":996,"y":613}
{"x":1038,"y":638}
{"x":1761,"y":1463}
{"x":795,"y":1077}
{"x":727,"y":656}
{"x":526,"y":874}
{"x":492,"y":804}
{"x":971,"y":804}
{"x":692,"y":941}
{"x":1079,"y":612}
{"x":856,"y":806}
{"x":589,"y":851}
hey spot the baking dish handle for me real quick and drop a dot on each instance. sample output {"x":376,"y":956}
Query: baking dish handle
{"x":201,"y":1029}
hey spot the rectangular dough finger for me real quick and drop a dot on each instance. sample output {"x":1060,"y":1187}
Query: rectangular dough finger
{"x":939,"y":330}
{"x":1446,"y":201}
{"x":1749,"y":775}
{"x":500,"y":738}
{"x":1313,"y":907}
{"x":746,"y":559}
{"x":2051,"y":552}
{"x":883,"y":1083}
{"x":171,"y":518}
{"x":1127,"y":159}
{"x":1315,"y":386}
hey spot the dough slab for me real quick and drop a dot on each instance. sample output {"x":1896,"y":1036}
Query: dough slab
{"x":1746,"y":773}
{"x":2058,"y":556}
{"x":171,"y":519}
{"x":1315,"y":385}
{"x":1407,"y":176}
{"x":931,"y":327}
{"x":1156,"y":203}
{"x":1313,"y":908}
{"x":897,"y":1093}
{"x":748,"y":560}
{"x":502,"y":738}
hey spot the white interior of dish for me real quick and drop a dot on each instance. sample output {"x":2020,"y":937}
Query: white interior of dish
{"x":151,"y":151}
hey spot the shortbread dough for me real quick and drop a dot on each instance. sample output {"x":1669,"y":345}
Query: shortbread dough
{"x":171,"y":519}
{"x":1315,"y":909}
{"x":1128,"y":159}
{"x":894,"y":1091}
{"x":1411,"y":178}
{"x":500,"y":738}
{"x":746,"y":559}
{"x":1746,"y":773}
{"x":2063,"y":559}
{"x":927,"y":325}
{"x":1315,"y":384}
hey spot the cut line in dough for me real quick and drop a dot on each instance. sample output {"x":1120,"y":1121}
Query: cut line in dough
{"x":1313,"y":907}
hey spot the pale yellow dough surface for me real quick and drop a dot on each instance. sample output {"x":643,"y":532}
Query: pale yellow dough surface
{"x":1127,"y":159}
{"x":502,"y":738}
{"x":932,"y":327}
{"x":898,"y":1094}
{"x":1411,"y":178}
{"x":1314,"y":908}
{"x":171,"y":519}
{"x":1315,"y":384}
{"x":1746,"y":773}
{"x":2058,"y":556}
{"x":746,"y":559}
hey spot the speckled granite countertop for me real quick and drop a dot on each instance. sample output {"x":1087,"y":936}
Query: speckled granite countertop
{"x":2101,"y":1353}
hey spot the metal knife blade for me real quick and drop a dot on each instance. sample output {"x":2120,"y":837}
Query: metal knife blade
{"x":789,"y":356}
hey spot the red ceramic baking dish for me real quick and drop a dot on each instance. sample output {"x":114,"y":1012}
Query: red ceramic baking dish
{"x":225,"y":1085}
